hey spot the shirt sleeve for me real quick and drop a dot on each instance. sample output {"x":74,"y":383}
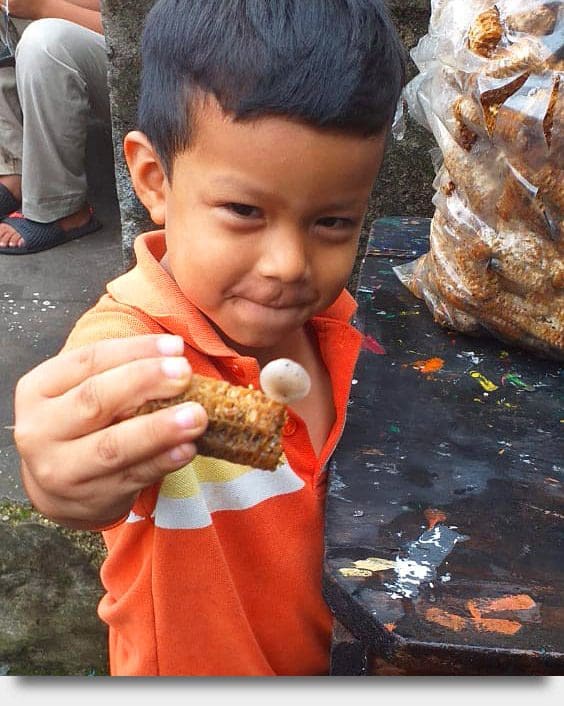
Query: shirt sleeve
{"x":109,"y":319}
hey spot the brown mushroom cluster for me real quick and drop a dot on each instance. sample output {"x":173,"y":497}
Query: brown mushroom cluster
{"x":491,"y":89}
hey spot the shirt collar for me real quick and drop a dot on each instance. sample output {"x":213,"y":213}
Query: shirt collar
{"x":150,"y":288}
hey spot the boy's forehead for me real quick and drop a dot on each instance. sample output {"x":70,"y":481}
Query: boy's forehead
{"x":275,"y":136}
{"x":204,"y":107}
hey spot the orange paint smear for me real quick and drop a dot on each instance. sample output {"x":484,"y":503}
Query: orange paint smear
{"x":446,"y":620}
{"x":520,"y":601}
{"x":505,"y":627}
{"x":434,"y":516}
{"x":454,"y":622}
{"x":431,"y":365}
{"x":476,"y":608}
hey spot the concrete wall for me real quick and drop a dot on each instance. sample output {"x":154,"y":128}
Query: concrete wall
{"x":123,"y":20}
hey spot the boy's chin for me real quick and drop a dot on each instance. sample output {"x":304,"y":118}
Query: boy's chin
{"x":252,"y":330}
{"x":250,"y":342}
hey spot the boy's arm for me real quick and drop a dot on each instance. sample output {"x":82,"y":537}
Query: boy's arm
{"x":84,"y":457}
{"x":81,"y":12}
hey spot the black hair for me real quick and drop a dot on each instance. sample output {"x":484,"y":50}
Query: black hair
{"x":335,"y":64}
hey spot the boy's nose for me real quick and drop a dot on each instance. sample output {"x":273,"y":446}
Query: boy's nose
{"x":284,"y":255}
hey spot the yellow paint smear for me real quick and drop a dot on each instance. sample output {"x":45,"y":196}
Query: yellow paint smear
{"x":488,"y":385}
{"x":373,"y":563}
{"x":349,"y":571}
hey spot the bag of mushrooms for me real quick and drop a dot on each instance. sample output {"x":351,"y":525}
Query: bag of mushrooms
{"x":491,"y":90}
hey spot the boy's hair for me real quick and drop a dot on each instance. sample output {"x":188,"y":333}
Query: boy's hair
{"x":335,"y":64}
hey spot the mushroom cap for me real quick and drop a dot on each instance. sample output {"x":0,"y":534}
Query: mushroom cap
{"x":284,"y":380}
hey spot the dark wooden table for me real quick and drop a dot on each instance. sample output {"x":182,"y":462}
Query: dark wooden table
{"x":445,"y":508}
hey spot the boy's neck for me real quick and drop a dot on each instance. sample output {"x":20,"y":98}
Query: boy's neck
{"x":300,"y":346}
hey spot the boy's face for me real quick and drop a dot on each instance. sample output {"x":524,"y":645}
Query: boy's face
{"x":262,"y":222}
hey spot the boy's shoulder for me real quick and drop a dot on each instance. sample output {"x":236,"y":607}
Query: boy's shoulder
{"x":109,"y":318}
{"x":124,"y":309}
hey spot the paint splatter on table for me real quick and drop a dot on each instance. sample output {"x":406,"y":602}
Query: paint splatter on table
{"x":445,"y":509}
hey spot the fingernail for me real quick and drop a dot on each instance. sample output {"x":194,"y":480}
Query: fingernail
{"x":175,"y":367}
{"x":170,"y":345}
{"x":188,"y":416}
{"x":182,"y":452}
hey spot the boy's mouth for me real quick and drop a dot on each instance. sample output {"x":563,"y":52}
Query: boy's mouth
{"x":281,"y":305}
{"x":287,"y":305}
{"x":291,"y":300}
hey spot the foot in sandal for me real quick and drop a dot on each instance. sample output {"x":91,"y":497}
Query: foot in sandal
{"x":21,"y":236}
{"x":10,"y":194}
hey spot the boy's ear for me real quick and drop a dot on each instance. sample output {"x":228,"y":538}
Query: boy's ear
{"x":147,"y":174}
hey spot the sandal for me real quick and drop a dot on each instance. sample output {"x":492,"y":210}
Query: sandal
{"x":42,"y":236}
{"x":8,"y":202}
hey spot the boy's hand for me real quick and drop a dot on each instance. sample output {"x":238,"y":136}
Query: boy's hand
{"x":84,"y":457}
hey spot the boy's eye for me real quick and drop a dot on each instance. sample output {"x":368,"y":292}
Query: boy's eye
{"x":243,"y":210}
{"x":334,"y":222}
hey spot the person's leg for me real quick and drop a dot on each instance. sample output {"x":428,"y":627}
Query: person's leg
{"x":61,"y":71}
{"x":11,"y":132}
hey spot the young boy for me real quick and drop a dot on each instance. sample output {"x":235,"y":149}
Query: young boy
{"x":262,"y":129}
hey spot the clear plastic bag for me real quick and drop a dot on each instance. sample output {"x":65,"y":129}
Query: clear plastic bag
{"x":491,"y":90}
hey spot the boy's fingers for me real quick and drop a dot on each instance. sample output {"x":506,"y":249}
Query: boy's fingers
{"x":107,"y":481}
{"x":147,"y":447}
{"x":57,"y":375}
{"x":116,"y":394}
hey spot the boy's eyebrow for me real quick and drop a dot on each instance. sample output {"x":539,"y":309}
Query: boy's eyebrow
{"x":229,"y":182}
{"x":254,"y":192}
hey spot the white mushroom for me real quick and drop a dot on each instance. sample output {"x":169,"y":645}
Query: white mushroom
{"x":284,"y":380}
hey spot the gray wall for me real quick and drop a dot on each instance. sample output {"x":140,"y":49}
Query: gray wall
{"x":123,"y":20}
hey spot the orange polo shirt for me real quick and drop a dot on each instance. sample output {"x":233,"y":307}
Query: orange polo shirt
{"x":217,"y":569}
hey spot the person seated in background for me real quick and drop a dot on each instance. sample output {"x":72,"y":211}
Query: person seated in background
{"x":46,"y":102}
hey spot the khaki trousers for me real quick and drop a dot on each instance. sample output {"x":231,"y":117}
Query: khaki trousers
{"x":46,"y":102}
